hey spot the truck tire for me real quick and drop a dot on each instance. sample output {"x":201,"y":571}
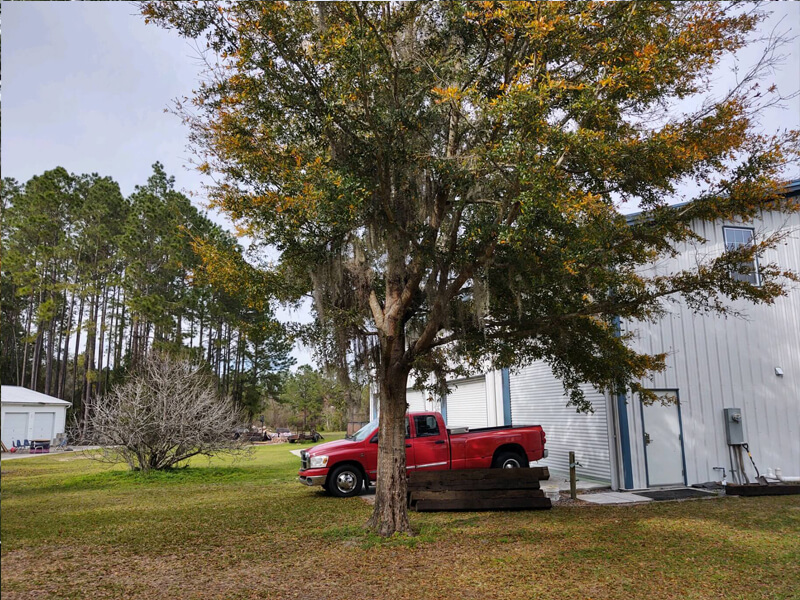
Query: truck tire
{"x":509,"y":460}
{"x":345,"y":481}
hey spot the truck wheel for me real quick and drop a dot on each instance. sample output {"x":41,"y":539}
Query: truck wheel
{"x":509,"y":460}
{"x":345,"y":481}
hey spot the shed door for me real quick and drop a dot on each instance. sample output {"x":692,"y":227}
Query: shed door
{"x":466,"y":403}
{"x":15,"y":427}
{"x":43,"y":423}
{"x":663,"y":445}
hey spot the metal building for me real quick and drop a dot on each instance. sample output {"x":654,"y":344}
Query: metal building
{"x":29,"y":415}
{"x":750,"y":363}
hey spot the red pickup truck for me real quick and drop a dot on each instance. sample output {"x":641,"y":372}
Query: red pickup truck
{"x":343,"y":466}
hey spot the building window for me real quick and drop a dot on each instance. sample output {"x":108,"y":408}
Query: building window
{"x":735,"y":238}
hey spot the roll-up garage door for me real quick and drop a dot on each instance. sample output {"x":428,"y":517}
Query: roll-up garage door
{"x":43,"y":423}
{"x":537,"y":398}
{"x":415,"y":400}
{"x":466,"y":403}
{"x":15,"y":428}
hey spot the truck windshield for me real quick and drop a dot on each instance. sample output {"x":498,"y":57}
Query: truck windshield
{"x":361,"y":434}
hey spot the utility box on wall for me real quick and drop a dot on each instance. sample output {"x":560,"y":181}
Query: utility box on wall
{"x":734,"y":430}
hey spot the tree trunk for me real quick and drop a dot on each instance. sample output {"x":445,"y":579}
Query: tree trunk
{"x":37,"y":357}
{"x":136,"y":325}
{"x":120,"y":331}
{"x":51,"y":339}
{"x":27,"y":338}
{"x":14,"y":320}
{"x":111,"y":334}
{"x":101,"y":341}
{"x":77,"y":349}
{"x":145,"y":346}
{"x":51,"y":345}
{"x":200,"y":337}
{"x":88,"y":363}
{"x":390,"y":514}
{"x":62,"y":377}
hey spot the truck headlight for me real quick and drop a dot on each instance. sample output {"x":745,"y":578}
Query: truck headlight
{"x":317,"y":462}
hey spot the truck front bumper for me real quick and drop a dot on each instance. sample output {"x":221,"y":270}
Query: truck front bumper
{"x":316,"y":480}
{"x":313,"y":476}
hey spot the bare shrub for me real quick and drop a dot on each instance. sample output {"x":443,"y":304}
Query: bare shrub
{"x":167,"y":412}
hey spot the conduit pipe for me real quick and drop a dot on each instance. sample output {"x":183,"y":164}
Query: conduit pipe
{"x":781,"y":478}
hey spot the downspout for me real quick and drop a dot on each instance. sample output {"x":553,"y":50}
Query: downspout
{"x":506,"y":397}
{"x":624,"y":430}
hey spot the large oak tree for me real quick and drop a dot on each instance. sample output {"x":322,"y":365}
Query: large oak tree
{"x":446,"y":177}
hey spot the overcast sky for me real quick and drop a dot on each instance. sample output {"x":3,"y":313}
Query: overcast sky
{"x":85,"y":86}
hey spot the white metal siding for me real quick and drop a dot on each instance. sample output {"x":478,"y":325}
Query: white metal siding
{"x":467,"y":404}
{"x":537,"y":398}
{"x":716,"y":362}
{"x":415,"y":399}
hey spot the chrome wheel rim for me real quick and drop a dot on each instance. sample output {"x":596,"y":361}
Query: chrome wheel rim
{"x":346,"y":482}
{"x":511,"y":463}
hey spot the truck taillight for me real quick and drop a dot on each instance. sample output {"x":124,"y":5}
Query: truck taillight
{"x":544,"y":439}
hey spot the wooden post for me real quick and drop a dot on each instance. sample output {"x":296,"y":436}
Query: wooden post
{"x":573,"y":480}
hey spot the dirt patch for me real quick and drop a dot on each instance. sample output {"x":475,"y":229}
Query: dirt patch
{"x":72,"y":457}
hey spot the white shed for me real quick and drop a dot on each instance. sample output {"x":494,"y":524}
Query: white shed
{"x":29,"y":415}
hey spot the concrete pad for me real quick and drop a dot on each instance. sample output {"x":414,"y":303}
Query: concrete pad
{"x":296,"y":452}
{"x":562,"y":481}
{"x":613,"y":498}
{"x":76,"y":451}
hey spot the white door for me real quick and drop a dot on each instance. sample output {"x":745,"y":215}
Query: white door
{"x":15,"y":427}
{"x":43,"y":423}
{"x":662,"y":442}
{"x":466,"y":403}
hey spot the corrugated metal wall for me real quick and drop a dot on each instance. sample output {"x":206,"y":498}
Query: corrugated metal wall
{"x":537,"y":398}
{"x":420,"y":401}
{"x":718,"y":362}
{"x":467,"y":404}
{"x":415,"y":400}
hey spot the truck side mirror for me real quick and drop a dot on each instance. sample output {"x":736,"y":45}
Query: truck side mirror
{"x":374,"y":439}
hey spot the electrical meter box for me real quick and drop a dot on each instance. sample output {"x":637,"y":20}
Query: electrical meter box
{"x":734,"y":430}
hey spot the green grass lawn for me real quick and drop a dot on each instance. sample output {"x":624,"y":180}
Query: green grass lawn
{"x":75,"y":528}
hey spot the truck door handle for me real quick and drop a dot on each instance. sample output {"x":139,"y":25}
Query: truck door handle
{"x":408,"y":445}
{"x":439,"y":442}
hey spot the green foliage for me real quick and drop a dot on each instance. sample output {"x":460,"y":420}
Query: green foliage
{"x":449,"y":174}
{"x":309,"y":393}
{"x":93,"y":282}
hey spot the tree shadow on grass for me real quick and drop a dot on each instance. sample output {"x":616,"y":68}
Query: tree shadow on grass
{"x":121,"y":480}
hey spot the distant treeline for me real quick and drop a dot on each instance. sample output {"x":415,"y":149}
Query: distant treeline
{"x":92,"y":282}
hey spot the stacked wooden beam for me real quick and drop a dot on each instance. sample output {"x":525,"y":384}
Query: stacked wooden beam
{"x":757,"y":489}
{"x":478,"y":489}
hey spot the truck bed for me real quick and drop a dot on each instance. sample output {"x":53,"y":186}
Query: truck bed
{"x":484,"y":429}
